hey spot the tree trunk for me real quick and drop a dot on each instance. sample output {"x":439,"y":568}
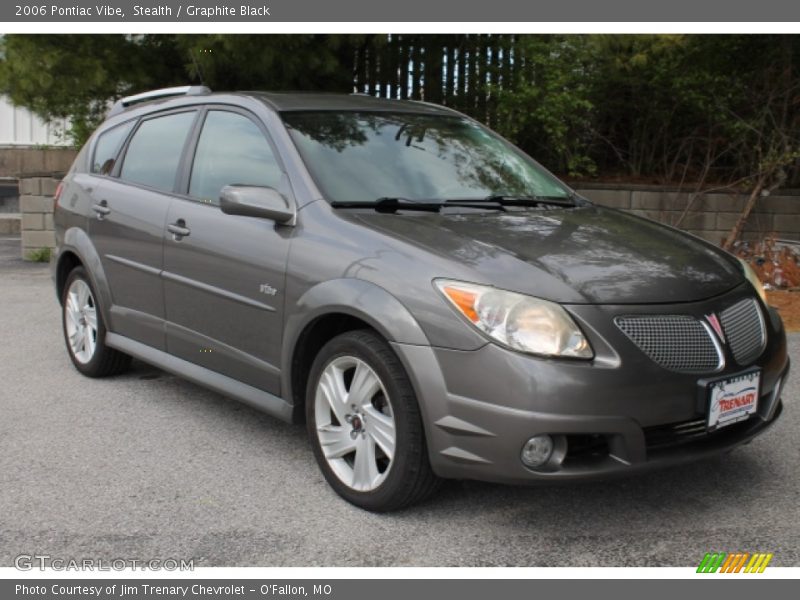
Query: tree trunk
{"x":736,"y":231}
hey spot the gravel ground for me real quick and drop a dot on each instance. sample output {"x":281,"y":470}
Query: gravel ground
{"x":146,"y":465}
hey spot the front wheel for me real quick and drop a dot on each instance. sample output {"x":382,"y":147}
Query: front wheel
{"x":365,"y":425}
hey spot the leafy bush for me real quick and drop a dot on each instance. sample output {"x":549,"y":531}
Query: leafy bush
{"x":40,"y":255}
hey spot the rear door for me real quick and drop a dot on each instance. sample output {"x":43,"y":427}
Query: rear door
{"x":129,"y":204}
{"x":224,"y":274}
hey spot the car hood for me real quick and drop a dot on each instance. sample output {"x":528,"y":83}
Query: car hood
{"x":579,"y":255}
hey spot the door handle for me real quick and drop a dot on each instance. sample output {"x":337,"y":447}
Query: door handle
{"x":101,"y":209}
{"x":178,"y":230}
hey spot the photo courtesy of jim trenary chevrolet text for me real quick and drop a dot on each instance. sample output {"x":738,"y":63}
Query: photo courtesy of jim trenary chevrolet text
{"x":348,"y":299}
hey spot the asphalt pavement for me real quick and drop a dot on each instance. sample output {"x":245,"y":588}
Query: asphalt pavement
{"x":146,"y":465}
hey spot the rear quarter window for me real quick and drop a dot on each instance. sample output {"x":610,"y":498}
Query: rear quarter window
{"x":107,"y":147}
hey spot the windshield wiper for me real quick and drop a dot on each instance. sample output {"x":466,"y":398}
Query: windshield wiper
{"x":392,"y":205}
{"x":510,"y":200}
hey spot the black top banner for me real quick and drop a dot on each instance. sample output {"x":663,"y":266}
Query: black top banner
{"x":410,"y":11}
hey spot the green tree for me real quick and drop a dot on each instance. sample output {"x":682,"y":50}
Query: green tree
{"x":76,"y":76}
{"x":544,"y":103}
{"x":274,"y":62}
{"x":688,"y":107}
{"x":79,"y":76}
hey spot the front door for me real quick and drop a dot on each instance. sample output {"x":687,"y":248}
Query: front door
{"x":224,"y":275}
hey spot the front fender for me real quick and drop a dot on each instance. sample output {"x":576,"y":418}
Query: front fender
{"x":357,"y":298}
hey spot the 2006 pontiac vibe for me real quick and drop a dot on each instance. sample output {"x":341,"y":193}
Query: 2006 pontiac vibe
{"x":429,"y":300}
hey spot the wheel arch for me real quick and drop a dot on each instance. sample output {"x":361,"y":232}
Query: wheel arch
{"x":329,"y":309}
{"x":78,"y":250}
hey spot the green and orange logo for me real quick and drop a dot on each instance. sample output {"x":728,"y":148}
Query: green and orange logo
{"x":735,"y":562}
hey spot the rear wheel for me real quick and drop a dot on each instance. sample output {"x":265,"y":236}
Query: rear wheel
{"x":84,"y":330}
{"x":365,"y":426}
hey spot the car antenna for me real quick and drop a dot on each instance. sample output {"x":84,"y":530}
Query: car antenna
{"x":198,"y":71}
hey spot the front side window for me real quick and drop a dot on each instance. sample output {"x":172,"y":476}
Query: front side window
{"x":361,"y":157}
{"x":107,"y":147}
{"x":154,"y":152}
{"x":231,"y":150}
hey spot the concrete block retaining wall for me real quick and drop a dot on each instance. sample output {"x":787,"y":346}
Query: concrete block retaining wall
{"x":710,"y":216}
{"x":36,"y":201}
{"x":18,"y":164}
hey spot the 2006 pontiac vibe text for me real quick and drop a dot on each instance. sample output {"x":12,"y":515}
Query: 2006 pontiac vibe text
{"x":426,"y":298}
{"x":158,"y":10}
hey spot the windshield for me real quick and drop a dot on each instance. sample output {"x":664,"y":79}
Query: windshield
{"x":361,"y":157}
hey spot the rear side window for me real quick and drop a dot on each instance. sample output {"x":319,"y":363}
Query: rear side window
{"x":107,"y":147}
{"x":154,"y":152}
{"x":231,"y":150}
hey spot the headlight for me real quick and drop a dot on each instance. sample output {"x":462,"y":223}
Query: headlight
{"x":751,"y":276}
{"x":520,"y":322}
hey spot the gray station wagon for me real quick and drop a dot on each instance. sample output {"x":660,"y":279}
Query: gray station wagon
{"x":429,"y":300}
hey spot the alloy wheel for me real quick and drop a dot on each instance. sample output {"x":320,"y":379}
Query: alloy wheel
{"x":355,"y":423}
{"x":80,"y":311}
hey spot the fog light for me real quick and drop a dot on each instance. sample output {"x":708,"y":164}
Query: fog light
{"x":537,"y":451}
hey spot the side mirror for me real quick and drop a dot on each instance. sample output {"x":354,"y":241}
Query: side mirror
{"x":254,"y":201}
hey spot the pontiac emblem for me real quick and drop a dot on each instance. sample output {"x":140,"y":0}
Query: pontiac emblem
{"x":715,"y":324}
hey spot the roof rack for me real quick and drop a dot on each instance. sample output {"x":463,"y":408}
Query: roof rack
{"x":183,"y":90}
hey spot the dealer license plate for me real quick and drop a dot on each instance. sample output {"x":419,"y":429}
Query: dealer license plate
{"x":733,"y":399}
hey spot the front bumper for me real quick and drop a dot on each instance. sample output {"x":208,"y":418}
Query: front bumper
{"x":619,"y":414}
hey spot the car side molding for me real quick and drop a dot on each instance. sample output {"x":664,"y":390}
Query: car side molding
{"x":253,"y":397}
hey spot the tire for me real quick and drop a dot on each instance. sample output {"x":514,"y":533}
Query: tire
{"x":86,"y":344}
{"x":350,"y":435}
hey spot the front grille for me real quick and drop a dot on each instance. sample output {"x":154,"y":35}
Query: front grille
{"x":676,"y":342}
{"x":744,"y":329}
{"x":675,"y":434}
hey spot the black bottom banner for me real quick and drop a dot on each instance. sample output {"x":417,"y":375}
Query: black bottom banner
{"x":388,"y":589}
